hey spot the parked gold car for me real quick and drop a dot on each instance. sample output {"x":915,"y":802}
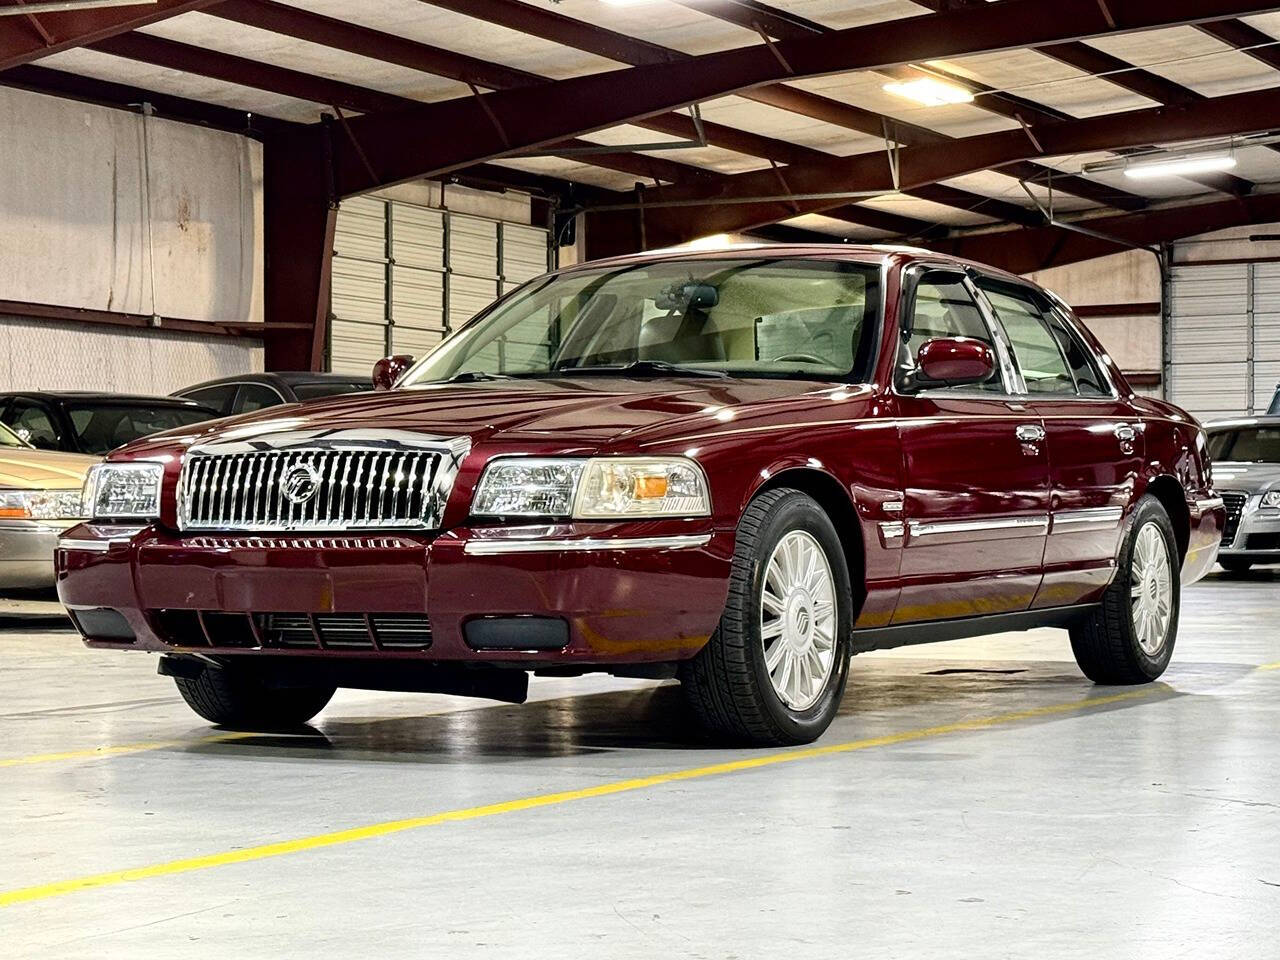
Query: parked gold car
{"x":39,"y":498}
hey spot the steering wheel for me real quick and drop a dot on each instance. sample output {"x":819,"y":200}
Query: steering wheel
{"x":800,"y":358}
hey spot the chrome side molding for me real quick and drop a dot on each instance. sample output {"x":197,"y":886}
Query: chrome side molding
{"x":489,"y":548}
{"x":1032,"y":525}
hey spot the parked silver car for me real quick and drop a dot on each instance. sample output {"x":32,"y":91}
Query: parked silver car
{"x":1246,"y":472}
{"x":39,"y":498}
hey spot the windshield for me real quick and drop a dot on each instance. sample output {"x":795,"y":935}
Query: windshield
{"x":10,"y":439}
{"x":807,"y":319}
{"x":100,"y":428}
{"x":1246,"y":445}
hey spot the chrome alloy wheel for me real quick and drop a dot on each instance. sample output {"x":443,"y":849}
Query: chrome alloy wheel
{"x":798,"y":620}
{"x":1151,"y":589}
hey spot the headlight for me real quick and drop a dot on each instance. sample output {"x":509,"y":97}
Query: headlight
{"x":1271,"y":499}
{"x":40,"y":505}
{"x":123,"y":491}
{"x":601,"y":488}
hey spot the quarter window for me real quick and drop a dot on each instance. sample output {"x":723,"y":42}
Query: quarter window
{"x":1035,"y":348}
{"x":1089,"y":381}
{"x":255,"y":396}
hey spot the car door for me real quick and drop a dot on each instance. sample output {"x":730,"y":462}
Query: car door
{"x":976,"y":504}
{"x":1094,"y":440}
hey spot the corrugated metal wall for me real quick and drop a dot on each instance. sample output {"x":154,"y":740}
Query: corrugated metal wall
{"x":1224,"y":337}
{"x":404,"y":275}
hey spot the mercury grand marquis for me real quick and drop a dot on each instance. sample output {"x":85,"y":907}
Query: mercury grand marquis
{"x":736,"y":468}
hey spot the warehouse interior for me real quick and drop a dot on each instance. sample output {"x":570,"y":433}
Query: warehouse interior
{"x":201,"y":190}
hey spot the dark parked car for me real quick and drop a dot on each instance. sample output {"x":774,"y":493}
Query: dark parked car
{"x":84,"y":422}
{"x":736,"y":468}
{"x":253,"y":391}
{"x":1246,"y":469}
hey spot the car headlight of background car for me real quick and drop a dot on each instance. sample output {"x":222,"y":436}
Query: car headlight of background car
{"x":600,"y":488}
{"x":1271,"y":499}
{"x":40,"y":505}
{"x":123,"y":491}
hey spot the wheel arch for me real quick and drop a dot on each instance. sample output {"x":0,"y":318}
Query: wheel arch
{"x":831,"y":495}
{"x":1173,"y":498}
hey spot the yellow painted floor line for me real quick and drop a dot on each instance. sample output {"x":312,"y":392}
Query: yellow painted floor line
{"x":93,"y":753}
{"x":1270,"y":666}
{"x":752,"y":762}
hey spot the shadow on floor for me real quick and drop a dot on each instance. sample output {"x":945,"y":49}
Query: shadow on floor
{"x":656,"y":718}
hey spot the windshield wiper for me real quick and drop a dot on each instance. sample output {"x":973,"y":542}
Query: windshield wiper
{"x":644,"y":368}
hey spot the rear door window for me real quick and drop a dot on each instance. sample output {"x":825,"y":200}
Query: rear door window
{"x":1035,"y":348}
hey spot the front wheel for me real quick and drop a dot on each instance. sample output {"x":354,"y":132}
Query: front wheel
{"x":235,"y":697}
{"x":1129,"y":638}
{"x":775,"y":670}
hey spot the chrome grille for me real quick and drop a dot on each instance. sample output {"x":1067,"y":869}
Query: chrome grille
{"x":349,"y":488}
{"x":1234,"y":503}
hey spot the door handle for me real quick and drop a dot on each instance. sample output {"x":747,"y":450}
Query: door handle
{"x":1125,"y":433}
{"x":1030,"y":432}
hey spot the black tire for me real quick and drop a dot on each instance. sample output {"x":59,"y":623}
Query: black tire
{"x":1106,"y":644}
{"x":727,"y":684}
{"x":234,"y":697}
{"x":1235,"y":564}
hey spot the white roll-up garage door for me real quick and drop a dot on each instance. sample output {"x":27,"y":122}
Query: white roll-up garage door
{"x":404,"y":275}
{"x":1210,"y":339}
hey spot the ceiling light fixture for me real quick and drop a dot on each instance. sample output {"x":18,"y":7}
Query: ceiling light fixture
{"x":1180,"y":165}
{"x":929,"y":91}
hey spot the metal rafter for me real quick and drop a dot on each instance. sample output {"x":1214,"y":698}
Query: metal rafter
{"x":758,"y":15}
{"x":21,"y":42}
{"x":1036,"y":248}
{"x":404,"y":145}
{"x":730,"y":202}
{"x":568,"y":31}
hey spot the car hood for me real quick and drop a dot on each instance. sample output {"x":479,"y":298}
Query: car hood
{"x":585,"y":411}
{"x":1247,"y":477}
{"x":43,"y":469}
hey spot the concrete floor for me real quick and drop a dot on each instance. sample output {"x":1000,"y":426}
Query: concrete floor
{"x":969,"y":802}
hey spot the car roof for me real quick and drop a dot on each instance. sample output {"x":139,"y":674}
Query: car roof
{"x":103,"y":396}
{"x":290,"y":377}
{"x":1236,"y":423}
{"x":794,"y":251}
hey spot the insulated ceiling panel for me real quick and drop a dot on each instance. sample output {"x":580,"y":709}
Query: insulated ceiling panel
{"x":1041,"y":79}
{"x":102,"y":66}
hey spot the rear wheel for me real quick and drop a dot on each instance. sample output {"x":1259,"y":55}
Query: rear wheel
{"x":1130,"y":638}
{"x":1235,"y":564}
{"x":235,"y":697}
{"x":775,"y":669}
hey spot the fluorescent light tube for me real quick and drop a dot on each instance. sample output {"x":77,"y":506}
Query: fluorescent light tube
{"x":929,"y":91}
{"x":1180,"y":166}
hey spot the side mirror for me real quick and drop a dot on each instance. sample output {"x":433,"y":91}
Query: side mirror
{"x":390,"y":369}
{"x":953,"y":361}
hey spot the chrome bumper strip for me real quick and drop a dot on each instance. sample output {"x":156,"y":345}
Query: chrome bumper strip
{"x":87,"y":546}
{"x":486,"y":548}
{"x":1210,"y":503}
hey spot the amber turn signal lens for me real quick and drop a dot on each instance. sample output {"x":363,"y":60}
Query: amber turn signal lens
{"x":651,"y":487}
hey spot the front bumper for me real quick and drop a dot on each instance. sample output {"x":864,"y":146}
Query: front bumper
{"x":26,"y":552}
{"x":617,"y":593}
{"x":1257,"y":535}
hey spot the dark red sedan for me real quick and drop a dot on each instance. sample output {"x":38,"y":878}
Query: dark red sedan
{"x":736,"y":468}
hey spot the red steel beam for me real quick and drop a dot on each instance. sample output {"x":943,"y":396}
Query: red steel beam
{"x":406,"y":144}
{"x":1036,"y":248}
{"x":1252,"y":112}
{"x":21,"y":43}
{"x":566,"y":30}
{"x":1247,"y":39}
